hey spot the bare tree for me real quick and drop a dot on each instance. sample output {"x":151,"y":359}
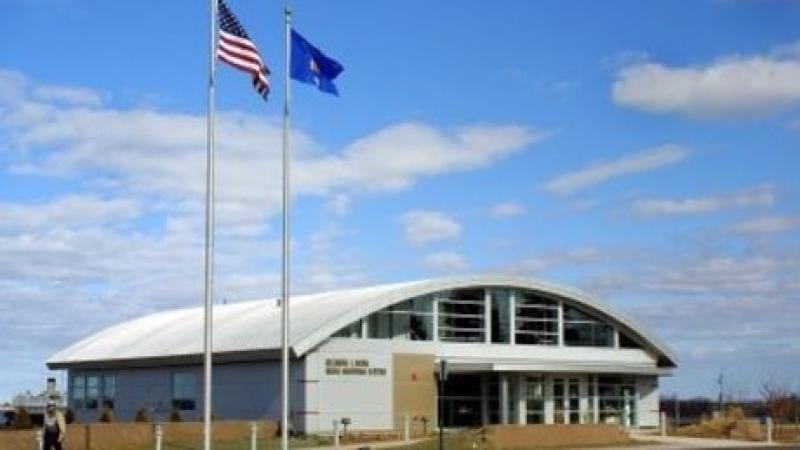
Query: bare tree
{"x":778,"y":399}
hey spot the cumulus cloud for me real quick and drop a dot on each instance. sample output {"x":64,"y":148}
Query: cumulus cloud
{"x":768,"y":225}
{"x":504,"y":210}
{"x":445,"y":262}
{"x":761,"y":196}
{"x":602,"y":172}
{"x":160,"y":154}
{"x":425,"y":227}
{"x":126,"y":237}
{"x":729,"y":87}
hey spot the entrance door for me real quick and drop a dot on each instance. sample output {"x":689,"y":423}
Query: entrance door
{"x":534,"y":391}
{"x":462,"y":401}
{"x":567,"y":400}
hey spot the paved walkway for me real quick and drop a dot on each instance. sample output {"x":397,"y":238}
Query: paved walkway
{"x":680,"y":442}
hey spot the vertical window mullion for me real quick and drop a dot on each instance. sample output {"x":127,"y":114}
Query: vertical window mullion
{"x":560,"y":319}
{"x":435,"y":308}
{"x":512,"y":316}
{"x":487,"y":316}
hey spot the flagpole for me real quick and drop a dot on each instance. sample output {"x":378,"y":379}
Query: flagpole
{"x":286,"y":243}
{"x":209,"y":244}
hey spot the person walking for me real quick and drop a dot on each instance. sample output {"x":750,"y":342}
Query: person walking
{"x":55,"y":428}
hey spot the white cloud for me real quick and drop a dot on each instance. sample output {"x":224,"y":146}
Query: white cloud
{"x":395,"y":157}
{"x":643,"y":161}
{"x":505,"y":210}
{"x":68,"y":95}
{"x":338,"y":204}
{"x":161,"y":155}
{"x":445,"y":262}
{"x":761,"y":196}
{"x":424,"y":227}
{"x":768,"y":225}
{"x":70,"y":210}
{"x":555,"y":259}
{"x":720,"y":274}
{"x":128,"y":238}
{"x":729,"y":87}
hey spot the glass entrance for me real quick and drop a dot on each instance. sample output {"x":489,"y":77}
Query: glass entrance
{"x":617,"y":400}
{"x":535,"y":399}
{"x":462,"y":401}
{"x":567,"y":400}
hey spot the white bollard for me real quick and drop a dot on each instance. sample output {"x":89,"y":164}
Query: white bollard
{"x":335,"y":433}
{"x":407,"y":428}
{"x":769,"y":430}
{"x":253,"y":436}
{"x":39,"y":440}
{"x":663,"y":420}
{"x":159,"y":436}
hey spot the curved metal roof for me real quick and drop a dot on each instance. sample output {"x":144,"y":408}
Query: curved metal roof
{"x":255,"y":325}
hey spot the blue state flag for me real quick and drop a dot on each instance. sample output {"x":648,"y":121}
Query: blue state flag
{"x":311,"y":66}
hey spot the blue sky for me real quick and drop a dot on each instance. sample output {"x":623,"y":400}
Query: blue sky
{"x":644,"y":152}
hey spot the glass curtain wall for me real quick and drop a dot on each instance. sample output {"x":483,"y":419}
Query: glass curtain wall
{"x":462,"y":316}
{"x":536,"y":320}
{"x":501,"y":316}
{"x":410,"y":320}
{"x":617,"y":399}
{"x":581,"y":329}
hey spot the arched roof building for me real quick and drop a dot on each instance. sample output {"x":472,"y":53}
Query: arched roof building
{"x":518,"y":351}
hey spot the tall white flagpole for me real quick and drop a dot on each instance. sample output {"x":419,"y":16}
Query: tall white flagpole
{"x":209,"y":250}
{"x":286,"y":243}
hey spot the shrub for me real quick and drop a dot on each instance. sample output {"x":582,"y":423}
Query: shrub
{"x":22,"y":420}
{"x":107,"y":416}
{"x":141,"y":416}
{"x":175,"y":416}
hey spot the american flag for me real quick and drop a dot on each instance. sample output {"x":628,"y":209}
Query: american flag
{"x":236,"y":49}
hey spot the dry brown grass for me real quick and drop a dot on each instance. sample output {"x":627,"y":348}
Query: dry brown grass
{"x":732,"y":425}
{"x":787,"y":433}
{"x":137,"y":436}
{"x":508,"y":437}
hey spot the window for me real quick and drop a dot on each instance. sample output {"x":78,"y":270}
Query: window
{"x":501,"y":320}
{"x":92,"y":391}
{"x":410,"y":320}
{"x":536,"y":320}
{"x":109,"y":391}
{"x":351,"y":331}
{"x":184,"y":390}
{"x":616,"y":397}
{"x":581,"y":329}
{"x":78,"y":391}
{"x":535,"y":400}
{"x":626,"y":342}
{"x":462,"y":316}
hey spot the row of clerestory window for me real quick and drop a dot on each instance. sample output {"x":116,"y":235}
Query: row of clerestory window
{"x":513,"y":316}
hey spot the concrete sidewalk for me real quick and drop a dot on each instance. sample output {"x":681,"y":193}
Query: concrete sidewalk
{"x":680,"y":442}
{"x":372,"y":445}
